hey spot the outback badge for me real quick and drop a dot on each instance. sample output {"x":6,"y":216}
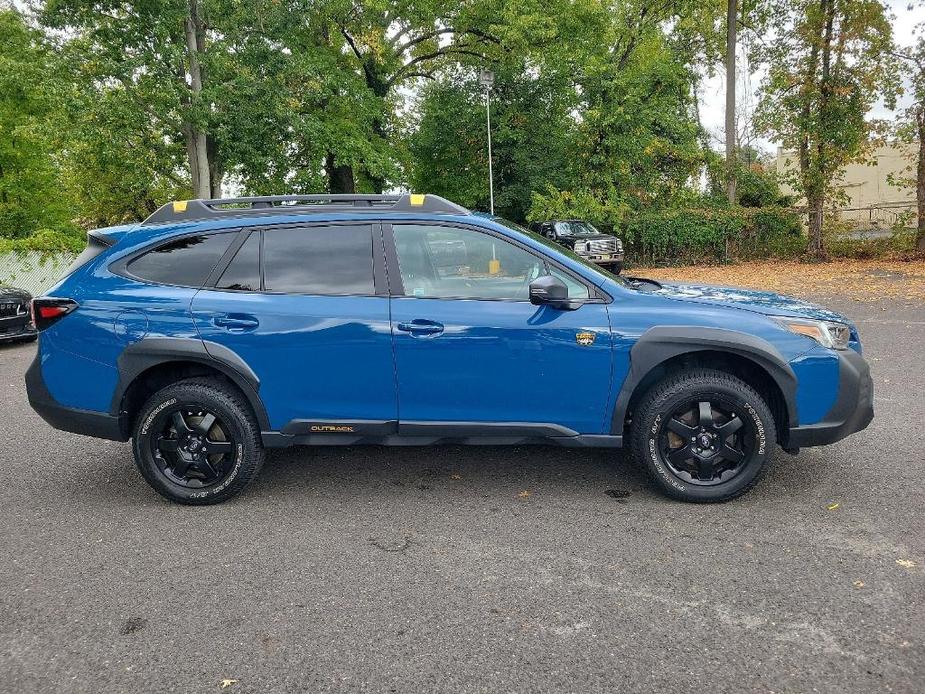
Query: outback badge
{"x":585,"y":339}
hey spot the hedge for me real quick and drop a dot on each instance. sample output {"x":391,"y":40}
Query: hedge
{"x":44,"y":241}
{"x":684,"y":236}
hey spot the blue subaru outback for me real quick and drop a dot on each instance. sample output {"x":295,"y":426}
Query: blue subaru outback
{"x":217,"y":328}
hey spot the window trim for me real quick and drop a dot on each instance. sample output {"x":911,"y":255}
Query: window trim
{"x":120,"y":266}
{"x":595,"y":293}
{"x":380,"y":286}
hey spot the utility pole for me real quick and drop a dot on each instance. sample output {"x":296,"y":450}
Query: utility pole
{"x":487,"y":78}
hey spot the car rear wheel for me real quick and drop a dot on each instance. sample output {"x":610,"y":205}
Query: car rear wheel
{"x":704,"y":435}
{"x":197,"y":442}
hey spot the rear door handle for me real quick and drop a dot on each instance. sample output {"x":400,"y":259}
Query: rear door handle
{"x":236,"y":322}
{"x":421,"y":327}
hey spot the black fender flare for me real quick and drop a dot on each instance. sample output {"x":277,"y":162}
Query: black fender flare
{"x":659,"y":344}
{"x":154,"y":351}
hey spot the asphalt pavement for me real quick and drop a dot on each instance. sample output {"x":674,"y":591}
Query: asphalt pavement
{"x":471,"y":569}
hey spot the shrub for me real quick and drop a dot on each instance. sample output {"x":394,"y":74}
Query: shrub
{"x":44,"y":241}
{"x":711,"y":235}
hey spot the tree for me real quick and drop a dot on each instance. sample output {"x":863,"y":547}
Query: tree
{"x":827,"y":67}
{"x":158,"y":53}
{"x":32,"y":195}
{"x":731,"y":20}
{"x":395,"y":42}
{"x":532,"y":134}
{"x":912,"y":125}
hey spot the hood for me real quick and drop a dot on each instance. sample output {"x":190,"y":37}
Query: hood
{"x":14,"y":293}
{"x":768,"y":303}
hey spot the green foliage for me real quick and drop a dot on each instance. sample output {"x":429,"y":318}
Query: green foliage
{"x":828,"y":65}
{"x":31,"y":190}
{"x":45,"y":241}
{"x":900,"y":244}
{"x":582,"y":204}
{"x":711,"y":235}
{"x":531,"y":128}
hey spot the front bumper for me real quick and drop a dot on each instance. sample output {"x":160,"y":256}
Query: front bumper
{"x":853,"y":409}
{"x":99,"y":424}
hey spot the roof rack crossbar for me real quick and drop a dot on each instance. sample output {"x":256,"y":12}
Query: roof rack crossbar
{"x":197,"y":210}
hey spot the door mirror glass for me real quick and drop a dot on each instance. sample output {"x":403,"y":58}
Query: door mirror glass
{"x":550,"y":291}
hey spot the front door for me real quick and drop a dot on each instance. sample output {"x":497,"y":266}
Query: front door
{"x":472,"y":352}
{"x":299,"y":305}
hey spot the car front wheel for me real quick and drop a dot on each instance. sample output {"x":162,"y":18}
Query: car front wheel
{"x":197,"y":442}
{"x":703,"y":435}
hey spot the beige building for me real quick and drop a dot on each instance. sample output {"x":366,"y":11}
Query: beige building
{"x":873,"y":202}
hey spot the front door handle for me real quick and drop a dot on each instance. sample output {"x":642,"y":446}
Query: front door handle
{"x":421,"y":327}
{"x":236,"y":322}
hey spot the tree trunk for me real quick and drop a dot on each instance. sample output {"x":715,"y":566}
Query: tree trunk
{"x":340,"y":176}
{"x":819,"y":170}
{"x":920,"y":180}
{"x":816,"y":248}
{"x":216,"y":170}
{"x":196,"y":145}
{"x":731,"y":12}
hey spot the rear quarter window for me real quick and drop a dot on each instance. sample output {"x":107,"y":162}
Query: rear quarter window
{"x":185,"y":262}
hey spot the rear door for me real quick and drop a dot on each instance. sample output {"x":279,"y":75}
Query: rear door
{"x":472,"y":352}
{"x":306,"y":307}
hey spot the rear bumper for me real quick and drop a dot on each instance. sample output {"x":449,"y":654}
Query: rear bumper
{"x":20,"y":332}
{"x":98,"y":424}
{"x":852,"y":411}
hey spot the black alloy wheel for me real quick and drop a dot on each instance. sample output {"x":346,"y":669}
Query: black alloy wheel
{"x":706,"y":442}
{"x":193,"y":448}
{"x":197,"y":441}
{"x":704,"y":435}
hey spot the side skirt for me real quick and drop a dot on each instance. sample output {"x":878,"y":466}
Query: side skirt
{"x":393,"y":433}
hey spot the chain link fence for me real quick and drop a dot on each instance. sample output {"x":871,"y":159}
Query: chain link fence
{"x":33,"y":271}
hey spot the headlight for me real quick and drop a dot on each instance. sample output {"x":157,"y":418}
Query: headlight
{"x":826,"y":333}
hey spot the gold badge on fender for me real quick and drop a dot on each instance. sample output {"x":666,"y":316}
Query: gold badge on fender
{"x":585,"y":339}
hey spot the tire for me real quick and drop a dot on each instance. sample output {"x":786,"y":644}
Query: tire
{"x":210,"y":454}
{"x":700,"y":454}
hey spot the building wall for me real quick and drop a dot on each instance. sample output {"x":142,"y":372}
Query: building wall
{"x":873,"y":201}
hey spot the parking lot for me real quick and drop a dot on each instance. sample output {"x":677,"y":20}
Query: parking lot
{"x":471,"y":569}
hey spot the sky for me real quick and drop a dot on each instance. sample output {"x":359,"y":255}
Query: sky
{"x":713,"y":90}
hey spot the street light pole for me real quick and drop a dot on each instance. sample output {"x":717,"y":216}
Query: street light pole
{"x":487,"y":78}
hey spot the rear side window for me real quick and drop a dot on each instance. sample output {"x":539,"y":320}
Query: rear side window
{"x":185,"y":262}
{"x":319,"y":260}
{"x":243,"y":273}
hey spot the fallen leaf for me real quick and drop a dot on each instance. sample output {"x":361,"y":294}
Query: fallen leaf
{"x":228,"y":683}
{"x":907,"y":563}
{"x":834,"y":506}
{"x":524,"y":494}
{"x":859,"y":584}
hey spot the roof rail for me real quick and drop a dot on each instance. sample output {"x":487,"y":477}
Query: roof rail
{"x":198,"y":210}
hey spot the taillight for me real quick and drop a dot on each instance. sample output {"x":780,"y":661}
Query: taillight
{"x":47,"y":310}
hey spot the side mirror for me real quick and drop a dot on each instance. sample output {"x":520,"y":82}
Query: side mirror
{"x":550,"y":291}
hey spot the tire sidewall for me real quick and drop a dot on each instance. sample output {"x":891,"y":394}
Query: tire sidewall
{"x":745,"y":402}
{"x":147,"y":427}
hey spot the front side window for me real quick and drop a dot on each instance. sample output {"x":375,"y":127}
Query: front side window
{"x":451,"y":263}
{"x":185,"y":262}
{"x":319,"y":260}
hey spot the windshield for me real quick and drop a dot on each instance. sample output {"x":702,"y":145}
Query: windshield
{"x":575,"y":228}
{"x":549,"y":243}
